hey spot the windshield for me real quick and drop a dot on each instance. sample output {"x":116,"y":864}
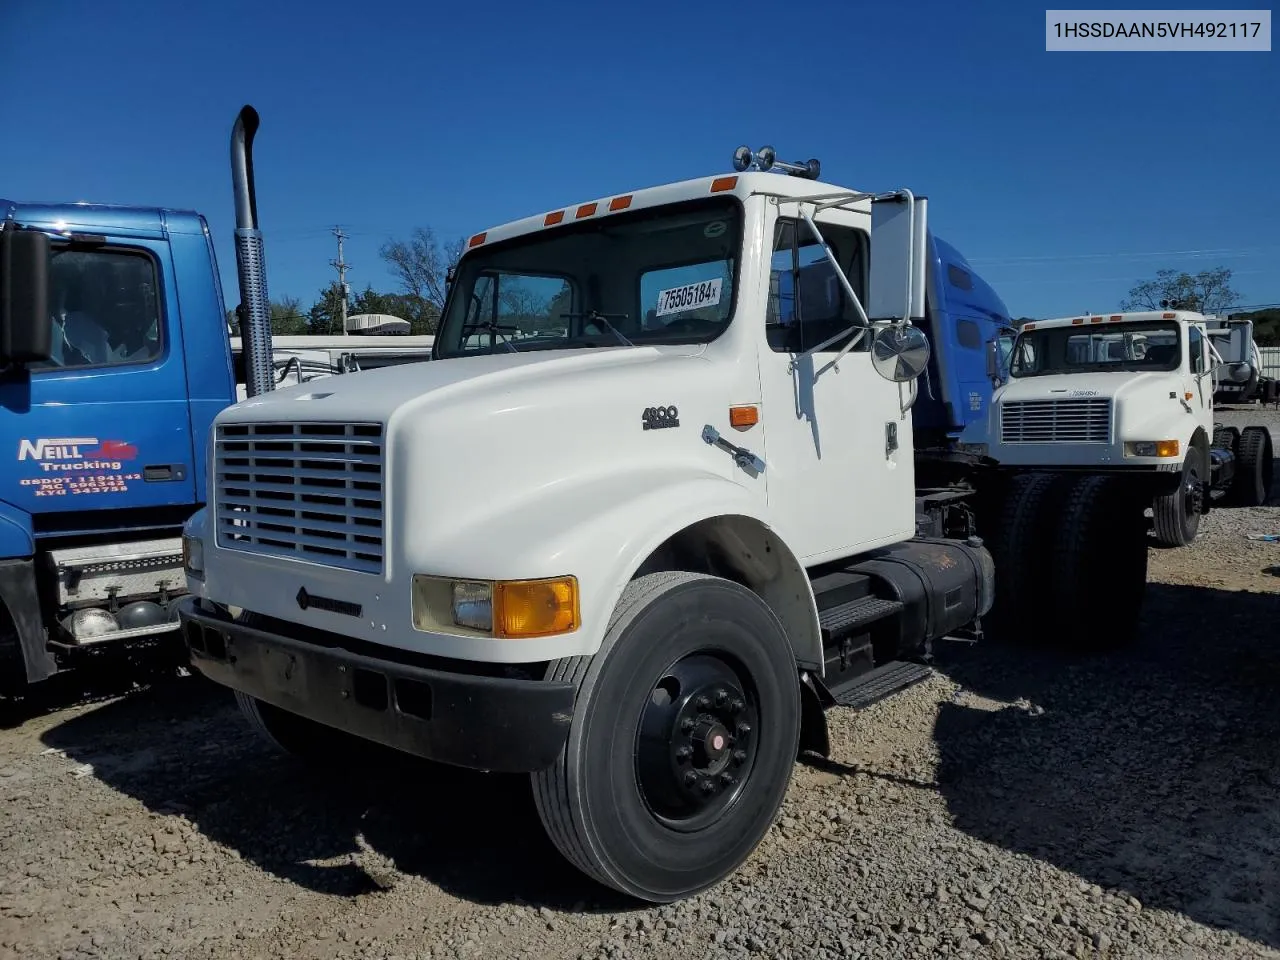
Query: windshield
{"x":1135,"y":346}
{"x":661,"y":275}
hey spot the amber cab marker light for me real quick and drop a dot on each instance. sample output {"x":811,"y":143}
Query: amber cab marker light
{"x":720,"y":184}
{"x":586,"y":210}
{"x":743,"y":417}
{"x":551,"y":219}
{"x":476,"y":240}
{"x":620,"y":203}
{"x":1095,"y":319}
{"x":1166,"y":448}
{"x":1167,"y":316}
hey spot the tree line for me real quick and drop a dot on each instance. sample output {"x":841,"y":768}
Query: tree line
{"x":421,"y":265}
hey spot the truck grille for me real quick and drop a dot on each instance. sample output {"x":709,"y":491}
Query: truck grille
{"x":305,"y":491}
{"x":1056,"y":421}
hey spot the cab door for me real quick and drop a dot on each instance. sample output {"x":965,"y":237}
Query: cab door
{"x":839,"y":448}
{"x":1200,"y":367}
{"x":104,"y":423}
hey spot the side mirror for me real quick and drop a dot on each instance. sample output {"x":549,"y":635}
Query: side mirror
{"x":899,"y":352}
{"x":26,"y":333}
{"x":899,"y":227}
{"x":993,"y":359}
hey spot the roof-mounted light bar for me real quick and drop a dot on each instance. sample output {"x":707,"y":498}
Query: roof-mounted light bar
{"x":766,"y":159}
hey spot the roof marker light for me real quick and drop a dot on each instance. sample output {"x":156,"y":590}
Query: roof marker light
{"x":1168,"y":316}
{"x":1076,"y":320}
{"x":476,"y":240}
{"x":620,"y":203}
{"x":720,"y":184}
{"x":551,"y":219}
{"x":1096,"y":319}
{"x":586,"y":210}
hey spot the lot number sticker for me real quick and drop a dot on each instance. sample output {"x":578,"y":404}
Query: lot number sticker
{"x":689,"y":297}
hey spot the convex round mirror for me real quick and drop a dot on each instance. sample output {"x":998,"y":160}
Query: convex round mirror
{"x":900,"y":352}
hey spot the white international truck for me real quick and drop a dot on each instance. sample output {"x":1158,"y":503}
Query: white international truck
{"x":636,"y":552}
{"x":1130,"y":394}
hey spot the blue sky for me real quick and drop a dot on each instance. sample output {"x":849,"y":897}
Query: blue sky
{"x":1065,"y":178}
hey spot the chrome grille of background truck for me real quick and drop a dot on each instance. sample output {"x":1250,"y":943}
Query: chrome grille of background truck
{"x":1084,"y":420}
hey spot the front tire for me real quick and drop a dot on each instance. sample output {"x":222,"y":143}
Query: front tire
{"x":1177,"y":514}
{"x":685,"y":731}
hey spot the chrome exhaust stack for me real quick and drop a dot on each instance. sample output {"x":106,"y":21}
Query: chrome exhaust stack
{"x":254,"y":311}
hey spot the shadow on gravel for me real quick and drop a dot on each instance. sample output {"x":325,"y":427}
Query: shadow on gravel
{"x":182,"y":747}
{"x":1154,"y":770}
{"x":104,"y":678}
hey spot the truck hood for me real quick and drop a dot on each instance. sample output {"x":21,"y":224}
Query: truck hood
{"x":374,"y":395}
{"x":1079,"y":386}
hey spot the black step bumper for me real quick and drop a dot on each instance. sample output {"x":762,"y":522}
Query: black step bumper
{"x":479,"y":722}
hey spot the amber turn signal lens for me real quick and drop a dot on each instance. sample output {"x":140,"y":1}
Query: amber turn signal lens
{"x":536,"y":608}
{"x":1166,"y":448}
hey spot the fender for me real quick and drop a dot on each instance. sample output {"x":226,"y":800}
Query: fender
{"x":16,"y":539}
{"x":604,"y":528}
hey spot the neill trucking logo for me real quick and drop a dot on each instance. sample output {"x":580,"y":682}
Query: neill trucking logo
{"x":76,"y":453}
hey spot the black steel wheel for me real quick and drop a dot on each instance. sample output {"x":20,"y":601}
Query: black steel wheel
{"x":685,"y":731}
{"x":1176,"y":514}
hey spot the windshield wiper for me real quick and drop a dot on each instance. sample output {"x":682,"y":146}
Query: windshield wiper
{"x":491,"y":327}
{"x":603,"y":318}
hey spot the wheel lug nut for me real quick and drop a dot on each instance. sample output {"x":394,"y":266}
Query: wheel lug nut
{"x":721,"y":698}
{"x":739,"y":756}
{"x":728,"y":779}
{"x":744,"y":729}
{"x":684,"y":753}
{"x":703,"y":702}
{"x":736,"y":706}
{"x":687,"y":725}
{"x":690,"y":779}
{"x":708,"y":786}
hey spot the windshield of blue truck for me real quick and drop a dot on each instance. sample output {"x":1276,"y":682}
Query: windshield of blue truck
{"x":1096,"y":348}
{"x":661,"y":275}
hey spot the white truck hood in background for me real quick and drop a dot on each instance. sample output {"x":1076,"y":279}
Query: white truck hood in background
{"x":1080,"y":386}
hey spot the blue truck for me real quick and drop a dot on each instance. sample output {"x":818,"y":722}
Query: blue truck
{"x":114,"y":359}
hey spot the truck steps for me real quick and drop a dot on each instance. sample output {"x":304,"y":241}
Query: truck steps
{"x":875,"y":685}
{"x":853,"y":615}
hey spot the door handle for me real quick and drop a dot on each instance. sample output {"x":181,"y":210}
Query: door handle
{"x":164,"y":472}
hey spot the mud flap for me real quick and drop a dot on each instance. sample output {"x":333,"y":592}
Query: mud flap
{"x":27,"y":639}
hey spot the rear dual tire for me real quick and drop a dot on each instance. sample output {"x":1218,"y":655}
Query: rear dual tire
{"x":1070,"y":555}
{"x":685,"y":731}
{"x":1251,"y":484}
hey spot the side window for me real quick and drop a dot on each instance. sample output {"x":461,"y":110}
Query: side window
{"x":1024,"y":357}
{"x":514,"y":306}
{"x":105,"y":307}
{"x":808,"y":304}
{"x":1195,"y":345}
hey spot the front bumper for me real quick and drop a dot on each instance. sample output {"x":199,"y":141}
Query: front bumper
{"x":480,"y":722}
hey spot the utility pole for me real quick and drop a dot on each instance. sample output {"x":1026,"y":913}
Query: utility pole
{"x":341,"y":266}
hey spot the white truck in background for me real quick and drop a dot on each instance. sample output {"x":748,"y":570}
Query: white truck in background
{"x":635,"y":555}
{"x":1239,"y":375}
{"x":1130,"y":394}
{"x":303,"y":358}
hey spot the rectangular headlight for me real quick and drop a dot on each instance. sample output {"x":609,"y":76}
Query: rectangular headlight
{"x":193,"y":556}
{"x":472,"y":605}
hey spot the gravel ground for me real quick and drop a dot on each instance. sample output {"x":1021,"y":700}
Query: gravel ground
{"x":1010,"y":806}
